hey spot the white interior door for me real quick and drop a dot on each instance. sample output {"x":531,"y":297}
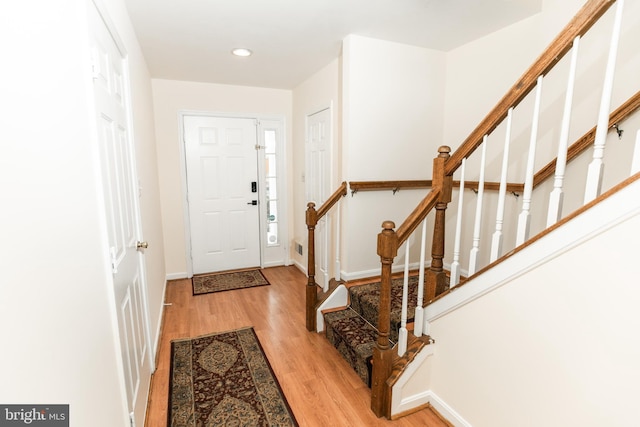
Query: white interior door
{"x":221,"y":163}
{"x":123,"y":217}
{"x":319,"y":185}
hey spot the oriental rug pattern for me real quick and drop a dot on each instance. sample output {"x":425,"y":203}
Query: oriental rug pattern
{"x":353,"y":331}
{"x":365,"y":300}
{"x":354,"y":339}
{"x":225,"y":379}
{"x":217,"y":282}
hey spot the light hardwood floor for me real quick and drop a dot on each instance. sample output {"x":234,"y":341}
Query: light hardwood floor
{"x":321,"y":388}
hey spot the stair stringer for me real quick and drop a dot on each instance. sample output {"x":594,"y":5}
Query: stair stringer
{"x":338,"y":298}
{"x":607,"y":211}
{"x":415,"y":388}
{"x":409,"y":385}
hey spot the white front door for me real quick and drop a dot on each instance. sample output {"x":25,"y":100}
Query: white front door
{"x":319,"y":185}
{"x":222,"y":187}
{"x":122,"y":214}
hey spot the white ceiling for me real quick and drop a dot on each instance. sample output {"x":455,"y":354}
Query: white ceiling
{"x":292,"y":39}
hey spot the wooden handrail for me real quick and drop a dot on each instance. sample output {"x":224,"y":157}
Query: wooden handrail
{"x":311,"y":217}
{"x":356,"y":186}
{"x":578,"y":26}
{"x":418,"y":215}
{"x":332,"y":200}
{"x":491,"y":186}
{"x":586,"y":141}
{"x":440,"y":193}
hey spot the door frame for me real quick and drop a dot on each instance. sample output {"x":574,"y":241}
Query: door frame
{"x":282,"y":184}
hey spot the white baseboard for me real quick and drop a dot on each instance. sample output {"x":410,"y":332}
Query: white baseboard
{"x":300,"y":266}
{"x":177,"y":276}
{"x":446,"y":411}
{"x":429,"y":397}
{"x":156,"y":341}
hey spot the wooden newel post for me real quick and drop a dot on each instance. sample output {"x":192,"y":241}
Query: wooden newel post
{"x":312,"y":295}
{"x":436,"y":276}
{"x":382,"y":353}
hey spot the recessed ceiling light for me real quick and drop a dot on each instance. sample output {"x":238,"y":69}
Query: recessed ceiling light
{"x":241,"y":51}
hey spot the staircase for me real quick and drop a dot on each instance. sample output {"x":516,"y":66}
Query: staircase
{"x":352,"y":330}
{"x":372,"y":333}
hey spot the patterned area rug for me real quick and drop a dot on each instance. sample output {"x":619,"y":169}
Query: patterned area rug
{"x":218,"y":282}
{"x":224,"y":380}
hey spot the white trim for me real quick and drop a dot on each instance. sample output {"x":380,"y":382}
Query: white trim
{"x":400,"y":404}
{"x":300,"y":267}
{"x":445,"y":410}
{"x":185,"y":199}
{"x":156,"y":347}
{"x":178,"y":276}
{"x":338,"y":298}
{"x":267,"y":264}
{"x":283,"y":227}
{"x":617,"y":208}
{"x":111,"y":27}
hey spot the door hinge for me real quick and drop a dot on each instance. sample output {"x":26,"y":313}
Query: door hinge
{"x":114,"y":260}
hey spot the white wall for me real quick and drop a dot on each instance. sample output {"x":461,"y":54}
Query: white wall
{"x":56,"y":311}
{"x":319,"y":91}
{"x":480,"y":73}
{"x":556,"y":345}
{"x":169,"y":98}
{"x":392,"y":126}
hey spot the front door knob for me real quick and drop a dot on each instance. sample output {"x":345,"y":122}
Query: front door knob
{"x":142,"y":245}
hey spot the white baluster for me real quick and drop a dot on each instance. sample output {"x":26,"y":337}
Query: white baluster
{"x":524,"y":220}
{"x":496,"y":243}
{"x":419,"y":315}
{"x":557,"y":195}
{"x":337,"y":242}
{"x":635,"y":163}
{"x":596,"y":167}
{"x":325,"y":256}
{"x":402,"y":333}
{"x":475,"y":249}
{"x":455,"y":265}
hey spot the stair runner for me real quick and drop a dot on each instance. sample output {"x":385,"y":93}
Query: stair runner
{"x":352,"y":331}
